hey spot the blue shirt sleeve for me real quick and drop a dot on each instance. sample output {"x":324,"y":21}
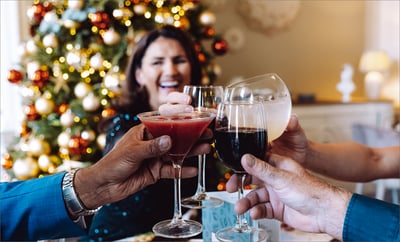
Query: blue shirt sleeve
{"x":34,"y":210}
{"x":369,"y":219}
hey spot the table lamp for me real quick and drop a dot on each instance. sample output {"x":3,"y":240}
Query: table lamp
{"x":374,"y":64}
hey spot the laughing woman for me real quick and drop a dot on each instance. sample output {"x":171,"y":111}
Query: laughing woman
{"x":164,"y":61}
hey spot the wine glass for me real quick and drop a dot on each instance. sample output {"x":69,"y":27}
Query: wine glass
{"x":184,"y":129}
{"x":272,"y":91}
{"x":204,"y":98}
{"x":240,"y":128}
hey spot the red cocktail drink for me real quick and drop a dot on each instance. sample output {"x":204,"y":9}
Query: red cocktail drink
{"x":184,"y":130}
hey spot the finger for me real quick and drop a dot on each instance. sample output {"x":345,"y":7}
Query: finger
{"x":178,"y":98}
{"x":231,"y":185}
{"x":167,"y":171}
{"x":199,"y":149}
{"x":171,"y":109}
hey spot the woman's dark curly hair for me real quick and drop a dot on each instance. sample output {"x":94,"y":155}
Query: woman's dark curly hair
{"x":134,"y":98}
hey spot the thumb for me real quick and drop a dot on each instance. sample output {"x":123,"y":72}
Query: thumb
{"x":258,"y":168}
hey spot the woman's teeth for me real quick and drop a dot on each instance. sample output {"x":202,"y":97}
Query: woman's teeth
{"x":169,"y":84}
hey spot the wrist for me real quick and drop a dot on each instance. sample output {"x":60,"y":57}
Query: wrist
{"x":76,"y":208}
{"x":334,"y":218}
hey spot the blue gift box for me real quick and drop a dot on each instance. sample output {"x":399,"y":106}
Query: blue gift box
{"x":214,"y":219}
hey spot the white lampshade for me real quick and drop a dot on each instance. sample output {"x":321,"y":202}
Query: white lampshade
{"x":374,"y":61}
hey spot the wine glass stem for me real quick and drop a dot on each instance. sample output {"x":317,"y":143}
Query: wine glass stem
{"x":177,"y":194}
{"x":241,"y":222}
{"x":201,"y":175}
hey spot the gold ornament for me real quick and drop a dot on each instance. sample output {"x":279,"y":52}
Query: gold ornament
{"x":111,"y":37}
{"x":44,"y":106}
{"x":6,"y":161}
{"x":90,"y":102}
{"x":82,"y":89}
{"x":25,"y":169}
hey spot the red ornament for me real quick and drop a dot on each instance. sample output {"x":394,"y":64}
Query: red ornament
{"x":220,"y":47}
{"x":38,"y":10}
{"x":202,"y":58}
{"x":40,"y":78}
{"x":100,"y":19}
{"x":31,"y":113}
{"x":77,"y":145}
{"x":108,"y":112}
{"x":209,"y":32}
{"x":24,"y":130}
{"x":62,"y":108}
{"x":15,"y":76}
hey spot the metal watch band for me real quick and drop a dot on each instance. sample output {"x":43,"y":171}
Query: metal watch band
{"x":71,"y":199}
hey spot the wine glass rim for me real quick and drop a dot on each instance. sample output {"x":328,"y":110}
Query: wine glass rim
{"x":249,"y":80}
{"x":198,"y":113}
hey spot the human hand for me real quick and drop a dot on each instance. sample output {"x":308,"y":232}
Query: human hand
{"x":292,"y":143}
{"x":292,"y":195}
{"x":131,"y":165}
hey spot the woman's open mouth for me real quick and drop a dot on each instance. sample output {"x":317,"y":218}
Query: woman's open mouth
{"x":169,"y":84}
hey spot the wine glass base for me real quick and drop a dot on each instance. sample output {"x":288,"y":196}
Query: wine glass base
{"x":180,"y":229}
{"x":237,"y":235}
{"x":200,"y":201}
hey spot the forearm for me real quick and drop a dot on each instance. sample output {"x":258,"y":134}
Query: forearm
{"x":34,"y":210}
{"x":350,"y":161}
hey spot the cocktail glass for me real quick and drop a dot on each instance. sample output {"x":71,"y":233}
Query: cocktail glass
{"x":184,"y":129}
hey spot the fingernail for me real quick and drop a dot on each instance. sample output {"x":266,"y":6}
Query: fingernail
{"x":250,"y":160}
{"x":164,"y":143}
{"x":188,"y":109}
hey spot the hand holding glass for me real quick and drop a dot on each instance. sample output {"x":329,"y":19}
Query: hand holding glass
{"x":240,"y":128}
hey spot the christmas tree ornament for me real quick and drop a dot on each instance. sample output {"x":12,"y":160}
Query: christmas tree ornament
{"x":26,"y":168}
{"x":50,"y":40}
{"x":63,"y":139}
{"x":88,"y":135}
{"x":24,"y":130}
{"x":220,"y":47}
{"x":44,"y":106}
{"x":207,"y":18}
{"x":31,"y":47}
{"x":90,"y":102}
{"x":37,"y":146}
{"x":67,"y":118}
{"x":44,"y":162}
{"x":40,"y":78}
{"x":31,"y":113}
{"x":51,"y":17}
{"x":99,"y":19}
{"x":62,"y":108}
{"x":15,"y":76}
{"x":75,"y":4}
{"x":6,"y":161}
{"x":113,"y":79}
{"x":36,"y":13}
{"x":139,"y":9}
{"x":122,"y":14}
{"x":96,"y":61}
{"x":108,"y":112}
{"x":77,"y":146}
{"x":111,"y":37}
{"x":82,"y":89}
{"x":101,"y":141}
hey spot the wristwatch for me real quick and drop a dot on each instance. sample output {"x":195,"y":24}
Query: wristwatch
{"x":73,"y":202}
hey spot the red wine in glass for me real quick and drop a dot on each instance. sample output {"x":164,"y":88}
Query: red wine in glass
{"x":231,"y":145}
{"x":184,"y":129}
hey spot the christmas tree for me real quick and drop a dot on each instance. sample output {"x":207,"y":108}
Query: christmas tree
{"x":73,"y":66}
